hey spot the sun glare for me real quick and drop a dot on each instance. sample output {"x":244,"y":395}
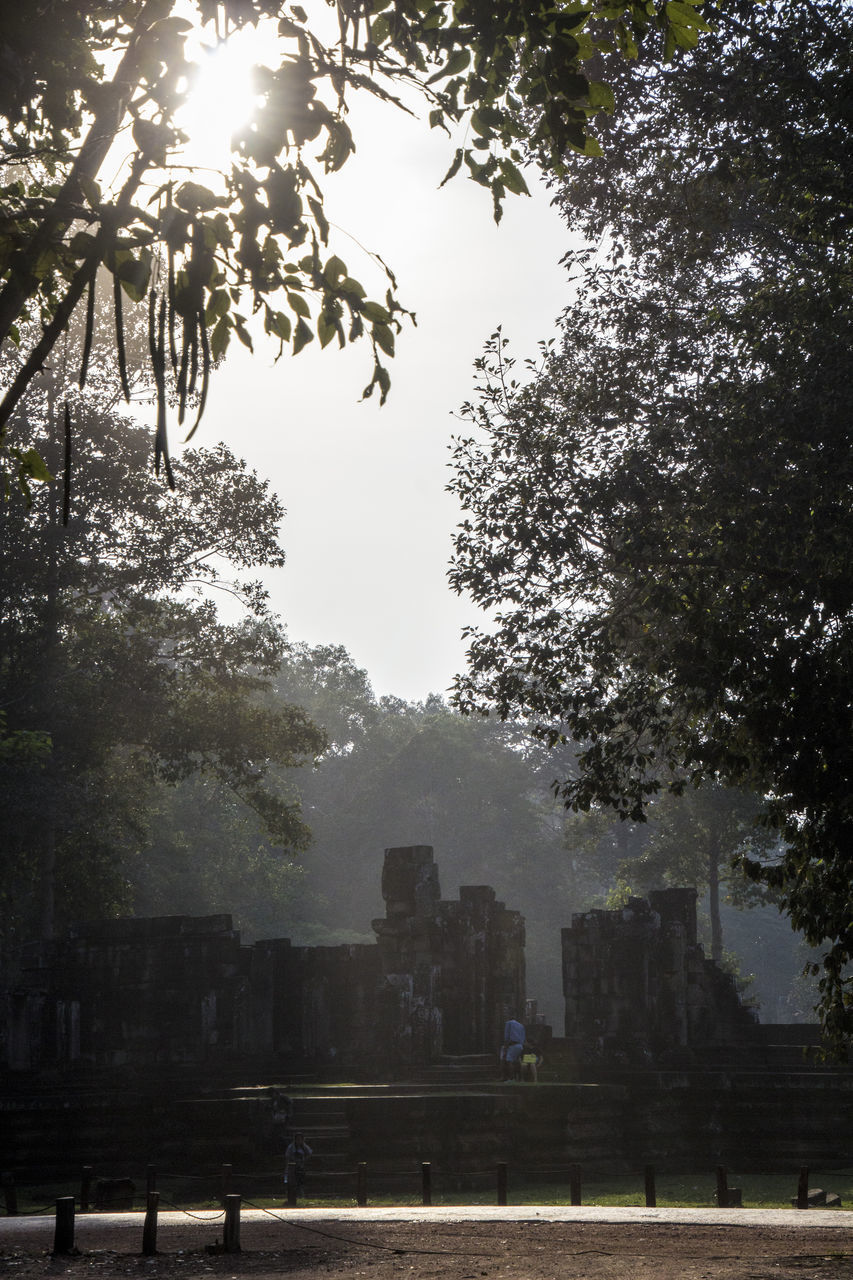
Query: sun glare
{"x":221,"y":96}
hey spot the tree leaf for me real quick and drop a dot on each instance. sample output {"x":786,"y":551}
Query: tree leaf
{"x":192,"y":197}
{"x":458,"y":61}
{"x":220,"y":337}
{"x":326,"y":328}
{"x":301,"y":337}
{"x":601,"y":96}
{"x":299,"y":304}
{"x":383,"y":335}
{"x":513,"y":179}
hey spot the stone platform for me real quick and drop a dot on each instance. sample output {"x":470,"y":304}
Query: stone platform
{"x":676,"y":1121}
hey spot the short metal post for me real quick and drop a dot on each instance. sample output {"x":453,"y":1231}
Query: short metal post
{"x":722,"y":1188}
{"x":803,"y":1188}
{"x":361,"y":1184}
{"x":231,"y":1230}
{"x":426,"y":1181}
{"x":63,"y":1236}
{"x":85,"y":1187}
{"x":574,"y":1184}
{"x":149,"y":1227}
{"x":651,"y":1196}
{"x":502,"y":1179}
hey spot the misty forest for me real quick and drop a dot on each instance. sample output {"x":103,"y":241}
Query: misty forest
{"x":654,"y":512}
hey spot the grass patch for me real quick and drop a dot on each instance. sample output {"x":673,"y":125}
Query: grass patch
{"x":685,"y":1190}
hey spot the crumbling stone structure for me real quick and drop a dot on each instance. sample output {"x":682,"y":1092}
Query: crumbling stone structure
{"x":639,"y":989}
{"x":183,"y":990}
{"x":456,"y":968}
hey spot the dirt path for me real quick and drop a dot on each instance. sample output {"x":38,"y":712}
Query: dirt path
{"x":514,"y":1250}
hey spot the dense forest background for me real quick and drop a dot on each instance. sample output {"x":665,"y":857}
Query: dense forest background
{"x":164,"y":754}
{"x":161,"y":760}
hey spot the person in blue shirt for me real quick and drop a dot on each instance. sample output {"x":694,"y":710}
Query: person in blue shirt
{"x":512,"y":1049}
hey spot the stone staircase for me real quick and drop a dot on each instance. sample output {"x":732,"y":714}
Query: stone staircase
{"x":454,"y":1070}
{"x":323,"y":1120}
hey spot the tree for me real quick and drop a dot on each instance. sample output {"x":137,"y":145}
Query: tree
{"x":197,"y":849}
{"x":695,"y":839}
{"x":257,"y":239}
{"x":115,"y":668}
{"x":660,"y":513}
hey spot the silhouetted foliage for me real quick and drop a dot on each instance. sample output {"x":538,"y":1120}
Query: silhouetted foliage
{"x":81,"y":82}
{"x":660,"y":512}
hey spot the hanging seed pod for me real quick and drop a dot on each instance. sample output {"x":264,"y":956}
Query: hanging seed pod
{"x":170,"y":262}
{"x":120,"y":348}
{"x":182,"y":374}
{"x":193,"y":355}
{"x":205,"y":373}
{"x":157,"y":348}
{"x":90,"y":325}
{"x":66,"y":473}
{"x":173,"y":349}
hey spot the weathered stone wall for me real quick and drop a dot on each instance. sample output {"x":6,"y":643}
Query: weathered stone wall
{"x":313,"y":1005}
{"x":118,"y":992}
{"x":182,"y":990}
{"x":639,"y":989}
{"x":456,"y":968}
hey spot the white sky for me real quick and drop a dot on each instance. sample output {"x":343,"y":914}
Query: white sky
{"x":368,"y":530}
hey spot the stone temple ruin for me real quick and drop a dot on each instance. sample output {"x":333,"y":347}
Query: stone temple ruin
{"x":639,"y":989}
{"x":182,"y":990}
{"x":163,"y":1041}
{"x":439,"y":981}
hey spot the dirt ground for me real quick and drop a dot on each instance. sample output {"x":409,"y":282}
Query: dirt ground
{"x":463,"y":1251}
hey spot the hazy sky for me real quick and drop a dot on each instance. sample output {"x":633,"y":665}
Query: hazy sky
{"x":369,"y":524}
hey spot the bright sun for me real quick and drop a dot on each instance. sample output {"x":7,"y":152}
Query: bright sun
{"x":221,"y":96}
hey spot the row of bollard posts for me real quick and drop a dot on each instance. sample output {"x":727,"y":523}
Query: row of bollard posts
{"x":63,"y":1242}
{"x":64,"y":1227}
{"x":724,"y":1193}
{"x":726,"y":1196}
{"x":502,"y":1184}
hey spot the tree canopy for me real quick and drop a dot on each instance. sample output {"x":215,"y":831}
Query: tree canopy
{"x":116,"y":670}
{"x":96,"y":172}
{"x":660,"y":512}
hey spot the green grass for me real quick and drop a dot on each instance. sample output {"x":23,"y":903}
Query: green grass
{"x":760,"y":1191}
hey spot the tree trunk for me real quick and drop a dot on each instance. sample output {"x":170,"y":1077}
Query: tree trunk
{"x":50,"y":643}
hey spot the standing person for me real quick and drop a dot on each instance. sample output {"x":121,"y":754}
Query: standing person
{"x":294,"y":1164}
{"x":512,"y":1049}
